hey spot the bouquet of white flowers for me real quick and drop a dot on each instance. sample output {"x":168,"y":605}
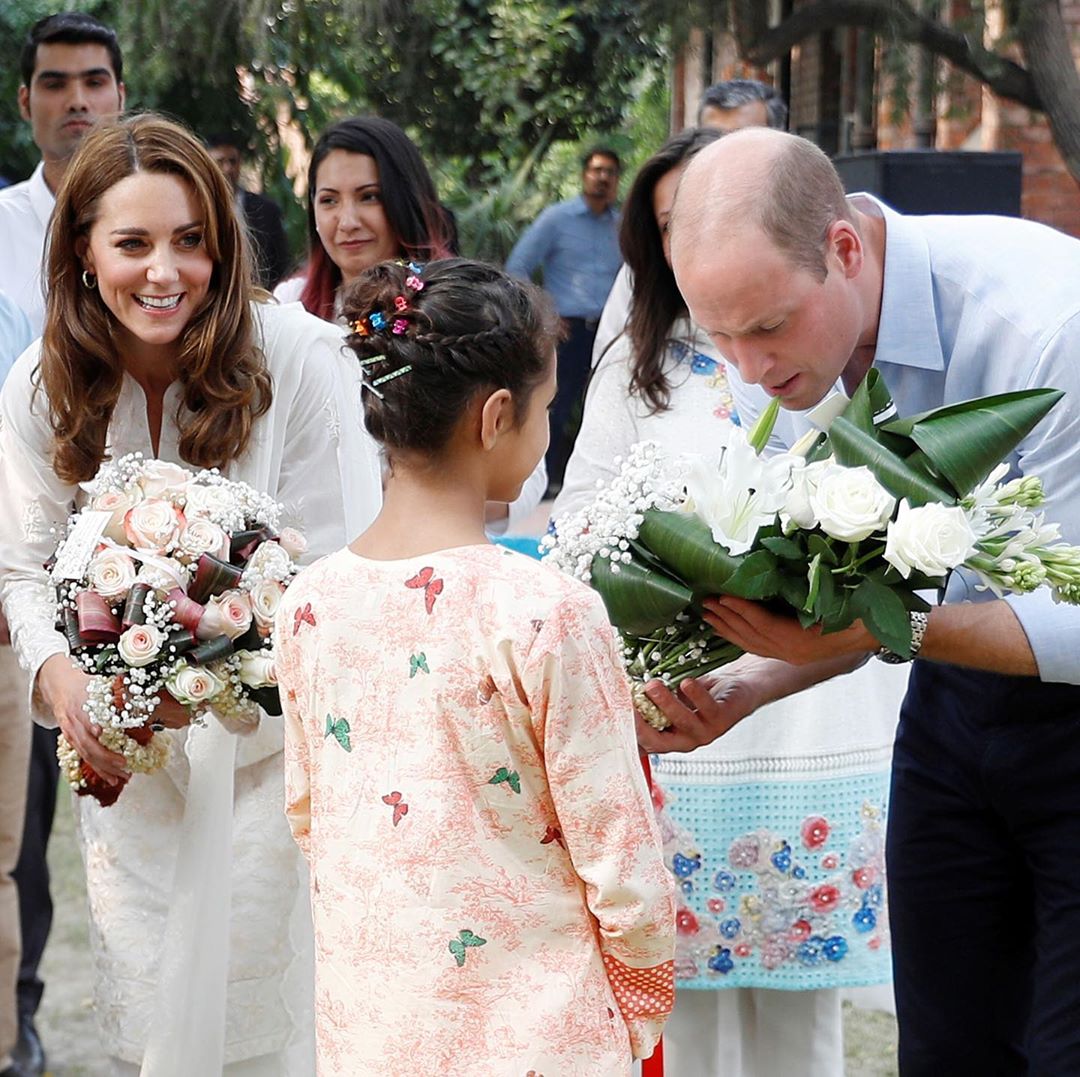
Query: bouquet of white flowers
{"x":849,"y":525}
{"x":167,"y":584}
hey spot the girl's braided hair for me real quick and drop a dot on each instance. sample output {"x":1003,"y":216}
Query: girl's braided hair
{"x":427,"y":351}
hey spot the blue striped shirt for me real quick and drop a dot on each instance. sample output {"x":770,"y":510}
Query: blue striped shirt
{"x":973,"y":306}
{"x":578,"y":251}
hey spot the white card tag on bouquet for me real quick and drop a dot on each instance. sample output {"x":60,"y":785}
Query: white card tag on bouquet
{"x":80,"y":545}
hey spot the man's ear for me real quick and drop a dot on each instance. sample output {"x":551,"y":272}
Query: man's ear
{"x":844,"y":241}
{"x":123,"y":95}
{"x":496,"y":417}
{"x":24,"y":102}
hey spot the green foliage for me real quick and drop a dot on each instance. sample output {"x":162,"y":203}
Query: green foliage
{"x":501,"y":95}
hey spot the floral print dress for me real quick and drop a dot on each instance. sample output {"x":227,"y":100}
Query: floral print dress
{"x":488,"y":883}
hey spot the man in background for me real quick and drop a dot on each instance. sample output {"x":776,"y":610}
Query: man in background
{"x":71,"y":78}
{"x":576,"y":246}
{"x":738,"y":103}
{"x":727,"y":106}
{"x":261,"y":214}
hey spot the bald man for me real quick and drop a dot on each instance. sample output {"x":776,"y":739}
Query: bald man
{"x":803,"y":290}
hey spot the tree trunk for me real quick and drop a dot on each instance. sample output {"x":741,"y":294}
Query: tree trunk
{"x":1045,"y":41}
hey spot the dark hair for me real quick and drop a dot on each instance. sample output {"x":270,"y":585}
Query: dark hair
{"x":226,"y":138}
{"x":600,"y":151}
{"x":656,"y":301}
{"x":69,"y":28}
{"x":734,"y":93}
{"x":470,"y":329}
{"x":408,"y":195}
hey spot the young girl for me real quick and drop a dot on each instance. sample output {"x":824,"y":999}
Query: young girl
{"x":488,"y":885}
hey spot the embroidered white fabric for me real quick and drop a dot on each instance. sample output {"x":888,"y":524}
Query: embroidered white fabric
{"x":198,"y":897}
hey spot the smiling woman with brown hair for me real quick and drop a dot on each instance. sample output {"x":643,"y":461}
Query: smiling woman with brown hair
{"x":154,"y":343}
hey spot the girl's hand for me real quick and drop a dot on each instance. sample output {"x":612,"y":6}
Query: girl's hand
{"x":64,"y":688}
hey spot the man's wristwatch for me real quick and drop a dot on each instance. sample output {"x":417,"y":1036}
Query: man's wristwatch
{"x":919,"y":621}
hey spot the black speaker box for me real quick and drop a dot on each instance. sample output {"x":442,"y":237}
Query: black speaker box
{"x":936,"y":181}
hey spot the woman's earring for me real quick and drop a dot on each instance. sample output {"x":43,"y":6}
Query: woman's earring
{"x":89,"y":279}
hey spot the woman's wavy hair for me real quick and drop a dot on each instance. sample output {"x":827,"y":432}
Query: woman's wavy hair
{"x":656,"y":301}
{"x":222,"y":373}
{"x":469,"y":329}
{"x":412,"y":206}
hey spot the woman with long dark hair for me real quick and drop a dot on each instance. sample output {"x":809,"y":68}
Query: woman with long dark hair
{"x":775,"y":832}
{"x":155,"y":343}
{"x":370,"y":199}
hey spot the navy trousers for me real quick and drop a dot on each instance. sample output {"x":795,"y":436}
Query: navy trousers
{"x":983,"y":854}
{"x":573,"y":367}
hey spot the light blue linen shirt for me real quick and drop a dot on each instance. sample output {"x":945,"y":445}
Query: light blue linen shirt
{"x":579,"y":253}
{"x":15,"y":334}
{"x":972,"y":306}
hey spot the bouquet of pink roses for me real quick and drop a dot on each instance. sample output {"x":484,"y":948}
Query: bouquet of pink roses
{"x":167,"y":584}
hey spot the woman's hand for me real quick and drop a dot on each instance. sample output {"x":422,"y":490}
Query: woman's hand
{"x":63,"y":687}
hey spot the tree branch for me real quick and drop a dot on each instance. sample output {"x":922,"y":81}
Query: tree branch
{"x":1045,"y":42}
{"x":899,"y":19}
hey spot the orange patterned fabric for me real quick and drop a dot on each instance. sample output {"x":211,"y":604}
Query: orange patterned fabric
{"x":642,"y":992}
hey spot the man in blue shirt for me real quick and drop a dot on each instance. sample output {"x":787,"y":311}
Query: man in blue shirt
{"x":803,"y":290}
{"x":576,"y":246}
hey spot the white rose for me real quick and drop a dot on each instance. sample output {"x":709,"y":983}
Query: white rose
{"x":210,"y":502}
{"x":265,"y":599}
{"x":292,"y":542}
{"x":202,"y":536}
{"x":797,"y":509}
{"x":850,"y":504}
{"x":268,"y":562}
{"x":257,"y":669}
{"x":153,"y":525}
{"x":163,"y":574}
{"x":111,"y":574}
{"x":119,"y":503}
{"x":192,"y":685}
{"x":159,"y":479}
{"x":140,"y":644}
{"x":227,"y":614}
{"x":931,"y":539}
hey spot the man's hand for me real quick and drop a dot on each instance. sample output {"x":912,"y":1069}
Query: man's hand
{"x":757,"y":630}
{"x":703,"y":710}
{"x":5,"y":634}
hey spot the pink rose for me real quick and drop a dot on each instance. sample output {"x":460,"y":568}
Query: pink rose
{"x":228,"y":614}
{"x":153,"y":525}
{"x":119,"y":503}
{"x":201,"y":536}
{"x":292,"y":542}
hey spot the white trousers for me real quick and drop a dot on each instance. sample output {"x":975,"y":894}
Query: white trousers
{"x":752,"y":1032}
{"x":277,"y":1065}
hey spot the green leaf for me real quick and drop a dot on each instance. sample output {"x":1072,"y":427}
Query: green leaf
{"x":825,"y":599}
{"x":684,"y":543}
{"x":638,"y":599}
{"x":854,"y":447}
{"x":966,"y":441}
{"x":786,"y":548}
{"x":818,"y":545}
{"x":884,"y":613}
{"x":756,"y":577}
{"x":794,"y":590}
